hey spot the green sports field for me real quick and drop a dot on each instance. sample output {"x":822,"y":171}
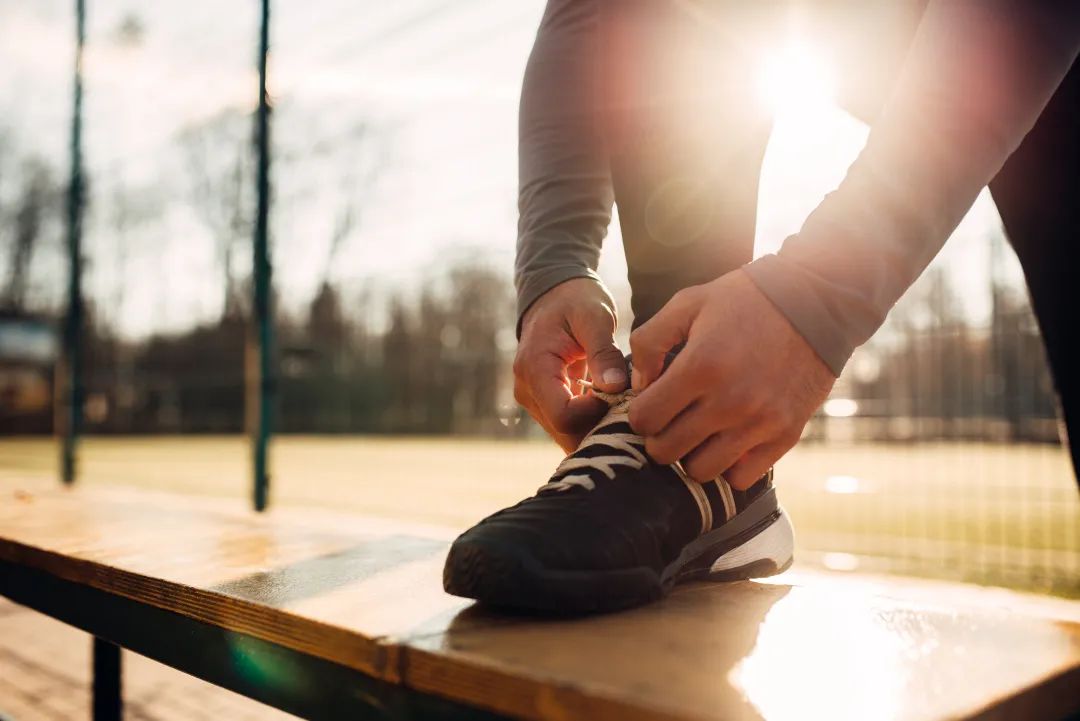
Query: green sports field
{"x":989,"y":513}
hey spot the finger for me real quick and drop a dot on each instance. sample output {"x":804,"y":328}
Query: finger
{"x":650,"y":343}
{"x":719,"y":453}
{"x":549,"y":385}
{"x":688,"y":431}
{"x":659,"y":404}
{"x":607,"y":367}
{"x":754,"y":464}
{"x":568,"y":442}
{"x":575,"y":372}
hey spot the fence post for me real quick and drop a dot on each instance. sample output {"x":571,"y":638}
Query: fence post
{"x":69,"y":375}
{"x":262,"y":319}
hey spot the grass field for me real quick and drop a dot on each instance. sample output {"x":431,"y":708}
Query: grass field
{"x":1004,"y":515}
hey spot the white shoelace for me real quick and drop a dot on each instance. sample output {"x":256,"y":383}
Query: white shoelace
{"x":631,"y":444}
{"x":634,"y":456}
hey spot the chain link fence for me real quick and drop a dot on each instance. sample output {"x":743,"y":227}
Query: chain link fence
{"x":393,"y":157}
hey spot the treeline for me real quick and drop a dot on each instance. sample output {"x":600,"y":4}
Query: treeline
{"x":434,"y":358}
{"x":931,"y":374}
{"x":433,"y":363}
{"x":436,"y":361}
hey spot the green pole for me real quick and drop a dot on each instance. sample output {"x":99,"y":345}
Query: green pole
{"x":71,"y":374}
{"x":262,"y":316}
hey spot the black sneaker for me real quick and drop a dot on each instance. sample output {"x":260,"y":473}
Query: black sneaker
{"x":612,"y":529}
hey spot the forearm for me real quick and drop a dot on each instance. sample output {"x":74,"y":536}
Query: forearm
{"x":978,"y":75}
{"x":565,"y":195}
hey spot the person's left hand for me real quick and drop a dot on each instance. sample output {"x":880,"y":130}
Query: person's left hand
{"x":737,"y":396}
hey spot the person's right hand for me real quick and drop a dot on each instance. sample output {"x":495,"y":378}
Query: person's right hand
{"x":568,"y":335}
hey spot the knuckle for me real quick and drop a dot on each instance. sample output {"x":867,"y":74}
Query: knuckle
{"x":607,"y":353}
{"x":754,"y":404}
{"x":685,"y":297}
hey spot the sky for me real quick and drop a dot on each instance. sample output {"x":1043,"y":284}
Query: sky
{"x":405,"y":112}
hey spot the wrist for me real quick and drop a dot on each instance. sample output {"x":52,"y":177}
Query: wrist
{"x":793,"y":297}
{"x":532,"y":290}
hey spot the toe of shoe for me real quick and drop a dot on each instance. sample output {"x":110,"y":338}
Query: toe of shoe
{"x":502,"y":578}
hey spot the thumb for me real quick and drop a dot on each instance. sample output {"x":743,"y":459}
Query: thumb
{"x":607,"y":367}
{"x":670,"y":327}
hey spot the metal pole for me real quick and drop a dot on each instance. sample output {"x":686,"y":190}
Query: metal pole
{"x":262,"y":315}
{"x":107,"y":697}
{"x":70,"y":377}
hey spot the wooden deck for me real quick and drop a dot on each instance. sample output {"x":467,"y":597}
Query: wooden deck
{"x":364,"y":596}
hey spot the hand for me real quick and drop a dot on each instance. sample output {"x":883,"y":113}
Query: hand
{"x":737,"y":396}
{"x":568,"y":335}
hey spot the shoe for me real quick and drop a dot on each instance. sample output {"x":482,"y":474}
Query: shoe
{"x":612,"y":530}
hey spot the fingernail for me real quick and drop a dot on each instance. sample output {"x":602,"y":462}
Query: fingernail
{"x":636,"y":380}
{"x":614,"y":376}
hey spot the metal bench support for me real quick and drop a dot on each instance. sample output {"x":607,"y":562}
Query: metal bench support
{"x":108,"y":703}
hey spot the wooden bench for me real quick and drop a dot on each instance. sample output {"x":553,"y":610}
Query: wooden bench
{"x":330,"y":616}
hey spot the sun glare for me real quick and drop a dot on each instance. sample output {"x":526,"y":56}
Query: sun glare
{"x":795,"y":78}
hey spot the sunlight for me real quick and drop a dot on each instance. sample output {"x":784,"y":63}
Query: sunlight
{"x":795,"y":78}
{"x":840,"y":407}
{"x":849,"y":642}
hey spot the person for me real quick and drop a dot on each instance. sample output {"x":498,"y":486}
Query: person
{"x":650,"y":104}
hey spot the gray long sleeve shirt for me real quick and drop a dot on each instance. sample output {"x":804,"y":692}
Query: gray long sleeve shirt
{"x":977,"y":77}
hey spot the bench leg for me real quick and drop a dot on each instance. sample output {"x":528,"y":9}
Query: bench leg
{"x":107,"y":700}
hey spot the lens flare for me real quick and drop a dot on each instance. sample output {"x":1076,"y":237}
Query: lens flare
{"x":795,"y":78}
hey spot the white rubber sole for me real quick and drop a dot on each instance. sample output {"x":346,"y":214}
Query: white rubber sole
{"x":776,"y":544}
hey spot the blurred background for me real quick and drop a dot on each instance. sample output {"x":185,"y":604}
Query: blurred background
{"x":391,"y":230}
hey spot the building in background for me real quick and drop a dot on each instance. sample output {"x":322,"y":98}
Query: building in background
{"x":28,"y":354}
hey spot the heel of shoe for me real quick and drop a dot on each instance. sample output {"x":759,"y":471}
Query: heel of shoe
{"x":766,"y":554}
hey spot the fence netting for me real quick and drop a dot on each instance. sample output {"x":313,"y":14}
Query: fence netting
{"x":392,"y":230}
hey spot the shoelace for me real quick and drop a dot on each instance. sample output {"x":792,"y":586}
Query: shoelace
{"x":634,"y":456}
{"x":631,"y":445}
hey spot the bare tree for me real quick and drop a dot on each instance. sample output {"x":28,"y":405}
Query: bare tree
{"x":364,"y":158}
{"x":39,"y":193}
{"x":219,"y":165}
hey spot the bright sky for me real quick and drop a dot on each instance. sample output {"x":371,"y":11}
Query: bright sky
{"x":436,"y":80}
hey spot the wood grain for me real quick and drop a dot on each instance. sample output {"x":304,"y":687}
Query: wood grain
{"x":366,"y":593}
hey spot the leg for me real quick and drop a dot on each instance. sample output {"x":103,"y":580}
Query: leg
{"x":686,"y":138}
{"x":1037,"y":193}
{"x":108,"y":705}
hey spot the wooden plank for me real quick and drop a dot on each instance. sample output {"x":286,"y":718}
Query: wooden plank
{"x":294,"y":682}
{"x":756,"y":650}
{"x":245,"y":572}
{"x":366,"y":594}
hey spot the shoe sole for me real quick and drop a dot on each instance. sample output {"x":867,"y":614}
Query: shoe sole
{"x":755,"y":544}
